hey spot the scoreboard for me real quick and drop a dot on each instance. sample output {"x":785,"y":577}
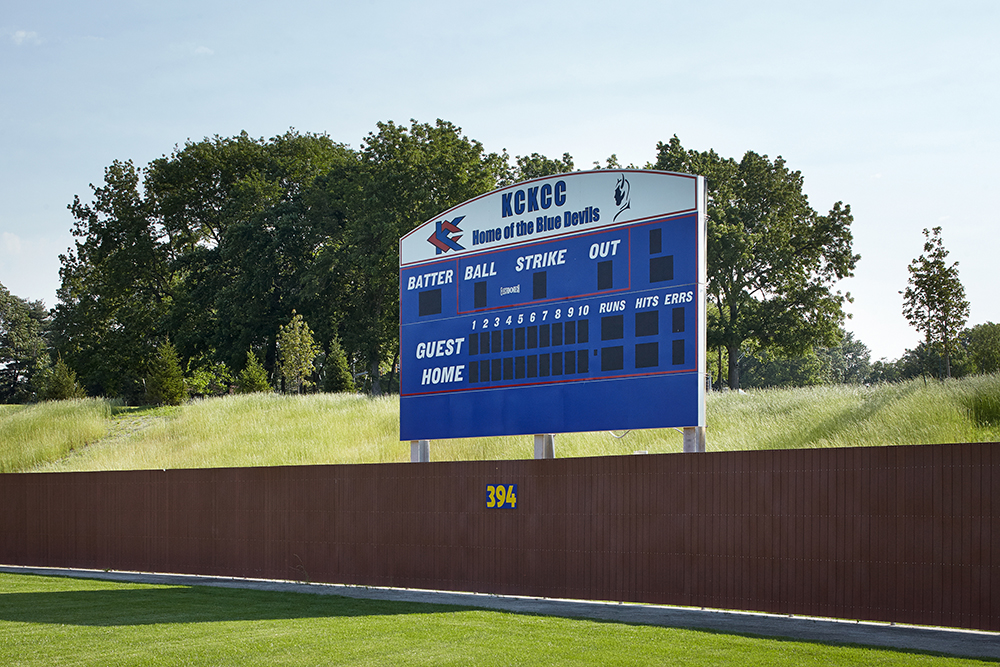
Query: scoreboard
{"x":569,"y":303}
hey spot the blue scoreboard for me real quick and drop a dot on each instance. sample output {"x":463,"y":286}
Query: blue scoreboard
{"x":570,"y":303}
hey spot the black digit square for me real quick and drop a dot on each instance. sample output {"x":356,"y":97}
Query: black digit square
{"x":613,"y":358}
{"x":661,"y":269}
{"x":484,"y":370}
{"x":647,"y":355}
{"x":679,"y":320}
{"x":480,"y":294}
{"x":543,"y":335}
{"x":678,"y":352}
{"x":647,"y":323}
{"x":543,"y":365}
{"x":538,"y":285}
{"x":613,"y":327}
{"x":655,"y":241}
{"x":497,"y":336}
{"x":557,"y":359}
{"x":508,"y":340}
{"x":508,"y":368}
{"x":473,"y":344}
{"x":532,"y":365}
{"x":497,"y":369}
{"x":605,"y":275}
{"x":570,"y":333}
{"x":430,"y":302}
{"x":583,"y":331}
{"x":570,"y":363}
{"x":583,"y":361}
{"x":532,"y":337}
{"x":474,"y":372}
{"x":557,"y":337}
{"x":484,"y":342}
{"x":519,"y":368}
{"x":519,"y":338}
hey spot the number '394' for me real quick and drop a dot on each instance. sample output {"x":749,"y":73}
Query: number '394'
{"x":501,"y":495}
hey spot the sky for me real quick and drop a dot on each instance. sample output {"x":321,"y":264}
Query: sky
{"x":890,"y":107}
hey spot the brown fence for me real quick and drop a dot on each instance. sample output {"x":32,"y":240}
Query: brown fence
{"x":905,"y":534}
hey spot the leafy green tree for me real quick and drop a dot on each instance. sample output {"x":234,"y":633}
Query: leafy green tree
{"x":60,"y":384}
{"x":763,"y":369}
{"x":253,"y":377}
{"x":211,"y":245}
{"x":403,"y":177}
{"x":983,"y":344}
{"x":773,"y":262}
{"x":336,"y":372}
{"x":23,"y":354}
{"x":934,"y":301}
{"x":296,"y":352}
{"x":207,"y":378}
{"x":537,"y":166}
{"x":884,"y":370}
{"x":165,"y":382}
{"x":245,"y":224}
{"x":115,"y":289}
{"x":849,"y":360}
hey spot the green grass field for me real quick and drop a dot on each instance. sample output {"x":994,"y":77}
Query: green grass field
{"x":59,"y":621}
{"x":271,"y":429}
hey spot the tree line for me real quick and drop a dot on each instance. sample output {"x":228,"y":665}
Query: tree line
{"x":197,"y":264}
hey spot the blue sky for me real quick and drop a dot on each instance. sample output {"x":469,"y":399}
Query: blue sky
{"x":890,"y":107}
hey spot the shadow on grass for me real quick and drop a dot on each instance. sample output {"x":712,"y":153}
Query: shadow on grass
{"x":195,"y":604}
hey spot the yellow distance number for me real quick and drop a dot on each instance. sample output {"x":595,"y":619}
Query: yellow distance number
{"x":501,"y":495}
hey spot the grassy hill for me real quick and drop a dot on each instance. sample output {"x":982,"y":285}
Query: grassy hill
{"x":270,"y":429}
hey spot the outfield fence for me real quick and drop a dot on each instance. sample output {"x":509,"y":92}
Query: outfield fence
{"x":902,"y":534}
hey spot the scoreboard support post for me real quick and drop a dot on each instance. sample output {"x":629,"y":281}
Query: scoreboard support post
{"x":545,"y":446}
{"x":420,"y":451}
{"x":694,"y":439}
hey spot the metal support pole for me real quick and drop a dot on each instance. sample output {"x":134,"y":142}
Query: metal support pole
{"x":694,"y":438}
{"x":545,"y":446}
{"x":420,"y":451}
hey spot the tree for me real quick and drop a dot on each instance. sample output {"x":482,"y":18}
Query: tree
{"x":773,"y":261}
{"x":764,"y":370}
{"x":537,"y":166}
{"x":207,"y":378}
{"x":23,"y":354}
{"x":253,"y":377}
{"x":165,"y":382}
{"x":983,"y":342}
{"x":244,"y":223}
{"x":337,"y":375}
{"x":934,"y":301}
{"x":403,"y":177}
{"x":115,"y":289}
{"x":296,"y":352}
{"x":211,"y":246}
{"x":60,"y":384}
{"x":849,"y":360}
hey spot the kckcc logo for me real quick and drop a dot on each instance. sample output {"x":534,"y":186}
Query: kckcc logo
{"x":442,"y":240}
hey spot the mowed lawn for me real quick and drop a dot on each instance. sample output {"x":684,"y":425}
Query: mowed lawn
{"x":63,"y":621}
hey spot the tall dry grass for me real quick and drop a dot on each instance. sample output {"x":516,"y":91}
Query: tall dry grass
{"x":269,"y":429}
{"x":34,"y":434}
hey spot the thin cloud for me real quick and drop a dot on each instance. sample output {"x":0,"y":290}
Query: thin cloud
{"x":21,"y":37}
{"x":11,"y":244}
{"x":188,"y":49}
